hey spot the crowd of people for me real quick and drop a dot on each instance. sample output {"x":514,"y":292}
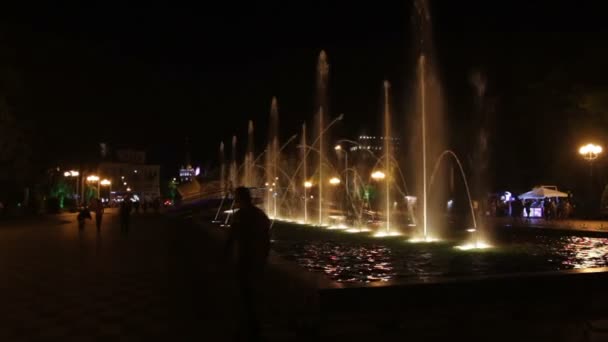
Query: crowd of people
{"x":126,"y":207}
{"x":550,"y":208}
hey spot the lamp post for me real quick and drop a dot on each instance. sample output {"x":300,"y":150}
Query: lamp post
{"x":94,"y":179}
{"x":108,"y":183}
{"x":307,"y":185}
{"x":378,"y":176}
{"x":339,"y":149}
{"x":590,"y":153}
{"x":73,"y":174}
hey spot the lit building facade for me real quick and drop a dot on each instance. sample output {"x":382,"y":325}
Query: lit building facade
{"x":130,"y":174}
{"x":375,"y":144}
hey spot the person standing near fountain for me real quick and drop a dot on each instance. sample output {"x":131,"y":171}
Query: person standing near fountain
{"x":250,"y":231}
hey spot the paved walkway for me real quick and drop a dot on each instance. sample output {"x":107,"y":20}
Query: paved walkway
{"x":57,"y":284}
{"x":163,"y":281}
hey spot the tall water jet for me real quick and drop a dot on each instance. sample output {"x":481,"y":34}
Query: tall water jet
{"x":482,"y":125}
{"x":321,"y":166}
{"x":248,"y":177}
{"x":233,"y":167}
{"x":305,"y":183}
{"x":421,"y":65}
{"x":222,"y":170}
{"x":429,"y":111}
{"x":322,"y":110}
{"x":387,"y":153}
{"x":272,"y":158}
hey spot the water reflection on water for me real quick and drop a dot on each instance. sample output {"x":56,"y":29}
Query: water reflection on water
{"x":367,"y":260}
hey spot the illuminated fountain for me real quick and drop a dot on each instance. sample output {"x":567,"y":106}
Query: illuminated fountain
{"x":248,"y":164}
{"x":430,"y":113}
{"x":233,"y":166}
{"x":272,"y":157}
{"x":292,"y":187}
{"x":321,"y":105}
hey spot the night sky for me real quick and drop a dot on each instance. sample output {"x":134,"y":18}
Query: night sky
{"x":140,"y":76}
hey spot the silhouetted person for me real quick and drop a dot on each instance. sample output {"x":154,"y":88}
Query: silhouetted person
{"x":98,"y":208}
{"x":83,"y":214}
{"x":125,"y":214}
{"x":156,"y":204}
{"x":250,"y":232}
{"x":527,"y":206}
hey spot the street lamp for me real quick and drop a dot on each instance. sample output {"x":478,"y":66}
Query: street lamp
{"x":339,"y":149}
{"x":307,"y":185}
{"x":108,"y":183}
{"x":590,"y":152}
{"x":74,"y":174}
{"x":94,"y":179}
{"x":378,"y":176}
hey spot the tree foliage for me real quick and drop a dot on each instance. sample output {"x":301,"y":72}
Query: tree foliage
{"x":14,"y":146}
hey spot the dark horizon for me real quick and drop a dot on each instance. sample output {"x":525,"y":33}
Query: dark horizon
{"x":146,"y":74}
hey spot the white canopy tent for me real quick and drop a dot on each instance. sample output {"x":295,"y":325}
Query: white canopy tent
{"x":542,"y":192}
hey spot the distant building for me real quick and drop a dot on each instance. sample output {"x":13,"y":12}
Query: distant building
{"x":186,"y":174}
{"x":130,"y":174}
{"x":375,"y":144}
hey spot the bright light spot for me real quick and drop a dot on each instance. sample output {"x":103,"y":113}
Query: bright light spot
{"x":590,"y":149}
{"x":334,"y":181}
{"x":338,"y":148}
{"x":378,"y":175}
{"x":476,"y":245}
{"x":308,"y":184}
{"x":266,"y":184}
{"x":385,"y":234}
{"x":197,"y":171}
{"x":125,"y":183}
{"x":230,"y":211}
{"x":93,"y":178}
{"x":67,"y":174}
{"x":358,"y":230}
{"x":105,"y":182}
{"x":128,"y":189}
{"x":340,"y":226}
{"x":74,"y":173}
{"x":423,"y":239}
{"x":471,"y":230}
{"x":300,"y":222}
{"x":134,"y":171}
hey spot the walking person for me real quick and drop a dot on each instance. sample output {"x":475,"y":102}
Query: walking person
{"x":527,"y":207}
{"x":99,"y":209}
{"x":125,"y":214}
{"x":83,"y":214}
{"x":250,"y":232}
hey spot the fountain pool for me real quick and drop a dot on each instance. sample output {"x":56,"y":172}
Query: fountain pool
{"x":358,"y":258}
